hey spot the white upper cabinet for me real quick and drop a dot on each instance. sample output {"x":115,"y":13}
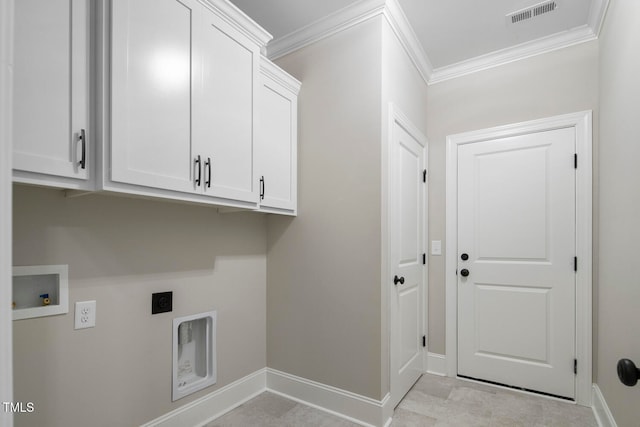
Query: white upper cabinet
{"x":183,"y":85}
{"x":276,"y":140}
{"x":225,"y":108}
{"x":152,"y":73}
{"x":51,"y":93}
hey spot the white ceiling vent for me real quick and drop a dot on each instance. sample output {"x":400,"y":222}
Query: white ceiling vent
{"x":532,"y":12}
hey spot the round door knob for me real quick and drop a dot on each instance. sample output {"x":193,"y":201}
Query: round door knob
{"x":628,"y":373}
{"x":397,"y":280}
{"x":464,"y":257}
{"x":464,"y":272}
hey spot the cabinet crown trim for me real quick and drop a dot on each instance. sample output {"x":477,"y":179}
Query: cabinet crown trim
{"x":239,"y":20}
{"x":272,"y":71}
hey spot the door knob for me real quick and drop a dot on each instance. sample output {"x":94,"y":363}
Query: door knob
{"x":464,"y":272}
{"x":628,"y":372}
{"x":397,"y":280}
{"x":464,"y":257}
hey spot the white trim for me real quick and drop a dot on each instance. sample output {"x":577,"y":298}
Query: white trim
{"x":437,"y":364}
{"x":349,"y":17}
{"x":358,"y":409}
{"x":408,"y":39}
{"x":601,"y":410}
{"x":6,"y":324}
{"x":514,"y":53}
{"x":239,"y":20}
{"x":199,"y":412}
{"x":597,"y":14}
{"x":582,"y":122}
{"x":272,"y":71}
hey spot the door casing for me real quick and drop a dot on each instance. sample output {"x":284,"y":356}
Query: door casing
{"x":582,"y":122}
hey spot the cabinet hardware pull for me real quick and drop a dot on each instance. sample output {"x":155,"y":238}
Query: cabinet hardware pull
{"x":83,"y":158}
{"x":199,"y":165}
{"x":262,"y":188}
{"x":208,"y":165}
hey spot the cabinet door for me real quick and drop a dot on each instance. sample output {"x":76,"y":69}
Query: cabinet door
{"x":51,"y":91}
{"x":276,"y":144}
{"x":225,"y":109}
{"x":151,"y":81}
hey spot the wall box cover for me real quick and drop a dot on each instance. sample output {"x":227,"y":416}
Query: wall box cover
{"x":194,"y":353}
{"x":40,"y":290}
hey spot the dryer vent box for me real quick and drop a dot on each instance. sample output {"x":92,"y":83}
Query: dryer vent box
{"x":194,"y":353}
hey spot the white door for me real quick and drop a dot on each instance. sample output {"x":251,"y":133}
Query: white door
{"x":51,"y":87}
{"x":275,"y":146}
{"x":152,"y":62}
{"x":516,"y":289}
{"x":224,"y":120}
{"x":406,"y":281}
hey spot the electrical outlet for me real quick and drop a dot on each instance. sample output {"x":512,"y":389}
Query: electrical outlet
{"x":161,"y":302}
{"x":85,"y":314}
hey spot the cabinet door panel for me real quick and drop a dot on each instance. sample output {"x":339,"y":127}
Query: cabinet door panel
{"x":276,"y":147}
{"x":226,"y":108}
{"x":50,"y":86}
{"x":152,"y":73}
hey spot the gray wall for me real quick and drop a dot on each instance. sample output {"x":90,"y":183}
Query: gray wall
{"x":619,"y":285}
{"x":323,"y":267}
{"x":559,"y":82}
{"x":119,"y":252}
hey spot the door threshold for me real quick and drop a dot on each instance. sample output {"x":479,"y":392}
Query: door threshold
{"x":515,"y":388}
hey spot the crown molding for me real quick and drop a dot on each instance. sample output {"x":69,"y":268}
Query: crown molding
{"x":364,"y":10}
{"x":597,"y":14}
{"x":334,"y":23}
{"x":408,"y":39}
{"x":349,"y":17}
{"x":525,"y":50}
{"x":271,"y":70}
{"x":239,"y":20}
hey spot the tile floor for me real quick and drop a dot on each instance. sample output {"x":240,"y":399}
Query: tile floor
{"x":433,"y":401}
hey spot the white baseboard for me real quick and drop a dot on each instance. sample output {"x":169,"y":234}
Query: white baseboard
{"x":436,"y":364}
{"x":353,"y":407}
{"x":601,"y":409}
{"x":207,"y":408}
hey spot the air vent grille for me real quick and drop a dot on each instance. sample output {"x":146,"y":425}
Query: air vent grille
{"x":532,"y":12}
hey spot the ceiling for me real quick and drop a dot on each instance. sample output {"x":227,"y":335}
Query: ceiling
{"x":450,"y":31}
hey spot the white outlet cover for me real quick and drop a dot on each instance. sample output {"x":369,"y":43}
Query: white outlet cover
{"x":85,"y":314}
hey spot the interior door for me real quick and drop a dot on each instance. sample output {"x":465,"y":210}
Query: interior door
{"x":407,"y":268}
{"x":516,"y":249}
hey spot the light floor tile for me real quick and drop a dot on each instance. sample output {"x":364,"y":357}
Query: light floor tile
{"x":433,"y":401}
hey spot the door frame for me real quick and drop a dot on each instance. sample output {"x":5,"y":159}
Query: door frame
{"x":582,"y":123}
{"x":397,"y":117}
{"x":6,"y":322}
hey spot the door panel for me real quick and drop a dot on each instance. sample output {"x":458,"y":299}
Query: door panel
{"x":226,"y":108}
{"x":51,"y":93}
{"x":516,"y":220}
{"x":152,"y":73}
{"x":407,"y":237}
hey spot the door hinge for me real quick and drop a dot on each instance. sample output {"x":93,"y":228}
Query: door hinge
{"x":424,"y":176}
{"x":424,"y":259}
{"x":575,"y":366}
{"x":424,"y":340}
{"x":575,"y":161}
{"x":575,"y":264}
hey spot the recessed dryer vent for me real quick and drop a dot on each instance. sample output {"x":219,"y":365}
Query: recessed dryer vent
{"x":194,"y":353}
